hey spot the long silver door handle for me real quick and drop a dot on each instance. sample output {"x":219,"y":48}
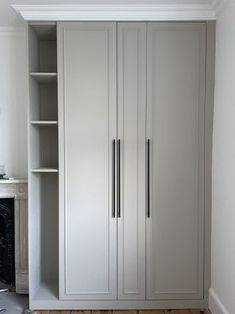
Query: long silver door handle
{"x":148,"y":178}
{"x":113,"y":177}
{"x":118,"y":179}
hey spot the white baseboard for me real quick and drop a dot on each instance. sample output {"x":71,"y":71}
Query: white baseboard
{"x":215,"y":305}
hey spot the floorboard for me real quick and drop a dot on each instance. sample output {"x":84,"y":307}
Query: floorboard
{"x":128,"y":312}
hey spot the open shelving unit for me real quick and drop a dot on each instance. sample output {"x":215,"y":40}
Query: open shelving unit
{"x":43,"y":158}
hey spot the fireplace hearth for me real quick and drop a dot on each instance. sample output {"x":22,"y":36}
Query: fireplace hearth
{"x":7,"y":242}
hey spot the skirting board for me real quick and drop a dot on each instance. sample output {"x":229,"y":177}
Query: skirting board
{"x":215,"y":305}
{"x":116,"y":305}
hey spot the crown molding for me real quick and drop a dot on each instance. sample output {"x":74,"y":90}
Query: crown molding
{"x":161,"y":12}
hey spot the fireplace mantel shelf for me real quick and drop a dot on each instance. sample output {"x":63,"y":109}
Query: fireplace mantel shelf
{"x":4,"y":181}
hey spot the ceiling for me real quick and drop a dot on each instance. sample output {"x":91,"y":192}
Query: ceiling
{"x":9,"y":18}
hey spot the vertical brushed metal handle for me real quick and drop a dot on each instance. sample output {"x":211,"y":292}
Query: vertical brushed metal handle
{"x":113,"y":176}
{"x":118,"y":179}
{"x":148,"y":178}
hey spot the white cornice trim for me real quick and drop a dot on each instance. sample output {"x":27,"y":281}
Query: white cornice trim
{"x":179,"y":12}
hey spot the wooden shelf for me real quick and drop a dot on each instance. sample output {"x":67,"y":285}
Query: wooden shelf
{"x":43,"y":77}
{"x":44,"y":123}
{"x":44,"y":170}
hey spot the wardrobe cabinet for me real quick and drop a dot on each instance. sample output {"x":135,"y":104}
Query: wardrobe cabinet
{"x":130,"y":200}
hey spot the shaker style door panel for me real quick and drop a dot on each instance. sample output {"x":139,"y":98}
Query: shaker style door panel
{"x":175,"y":128}
{"x":88,"y":235}
{"x":131,"y":132}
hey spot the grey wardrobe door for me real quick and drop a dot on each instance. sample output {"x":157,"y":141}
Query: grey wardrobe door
{"x":175,"y":127}
{"x":87,"y":229}
{"x":131,"y":132}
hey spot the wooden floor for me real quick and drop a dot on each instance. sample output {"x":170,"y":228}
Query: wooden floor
{"x":128,"y":312}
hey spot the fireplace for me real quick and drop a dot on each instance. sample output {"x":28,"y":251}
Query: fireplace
{"x":13,"y":235}
{"x":7,"y":242}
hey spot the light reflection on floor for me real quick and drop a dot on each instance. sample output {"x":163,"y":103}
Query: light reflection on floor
{"x":13,"y":303}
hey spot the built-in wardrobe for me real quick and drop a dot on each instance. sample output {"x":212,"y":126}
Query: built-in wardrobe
{"x":120,"y":124}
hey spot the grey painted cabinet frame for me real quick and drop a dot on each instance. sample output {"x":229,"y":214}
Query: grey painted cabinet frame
{"x":133,"y":82}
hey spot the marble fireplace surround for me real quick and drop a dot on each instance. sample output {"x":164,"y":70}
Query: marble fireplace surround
{"x":18,"y":189}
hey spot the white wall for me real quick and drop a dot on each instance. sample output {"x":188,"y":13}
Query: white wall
{"x":222,"y":294}
{"x":13,"y":103}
